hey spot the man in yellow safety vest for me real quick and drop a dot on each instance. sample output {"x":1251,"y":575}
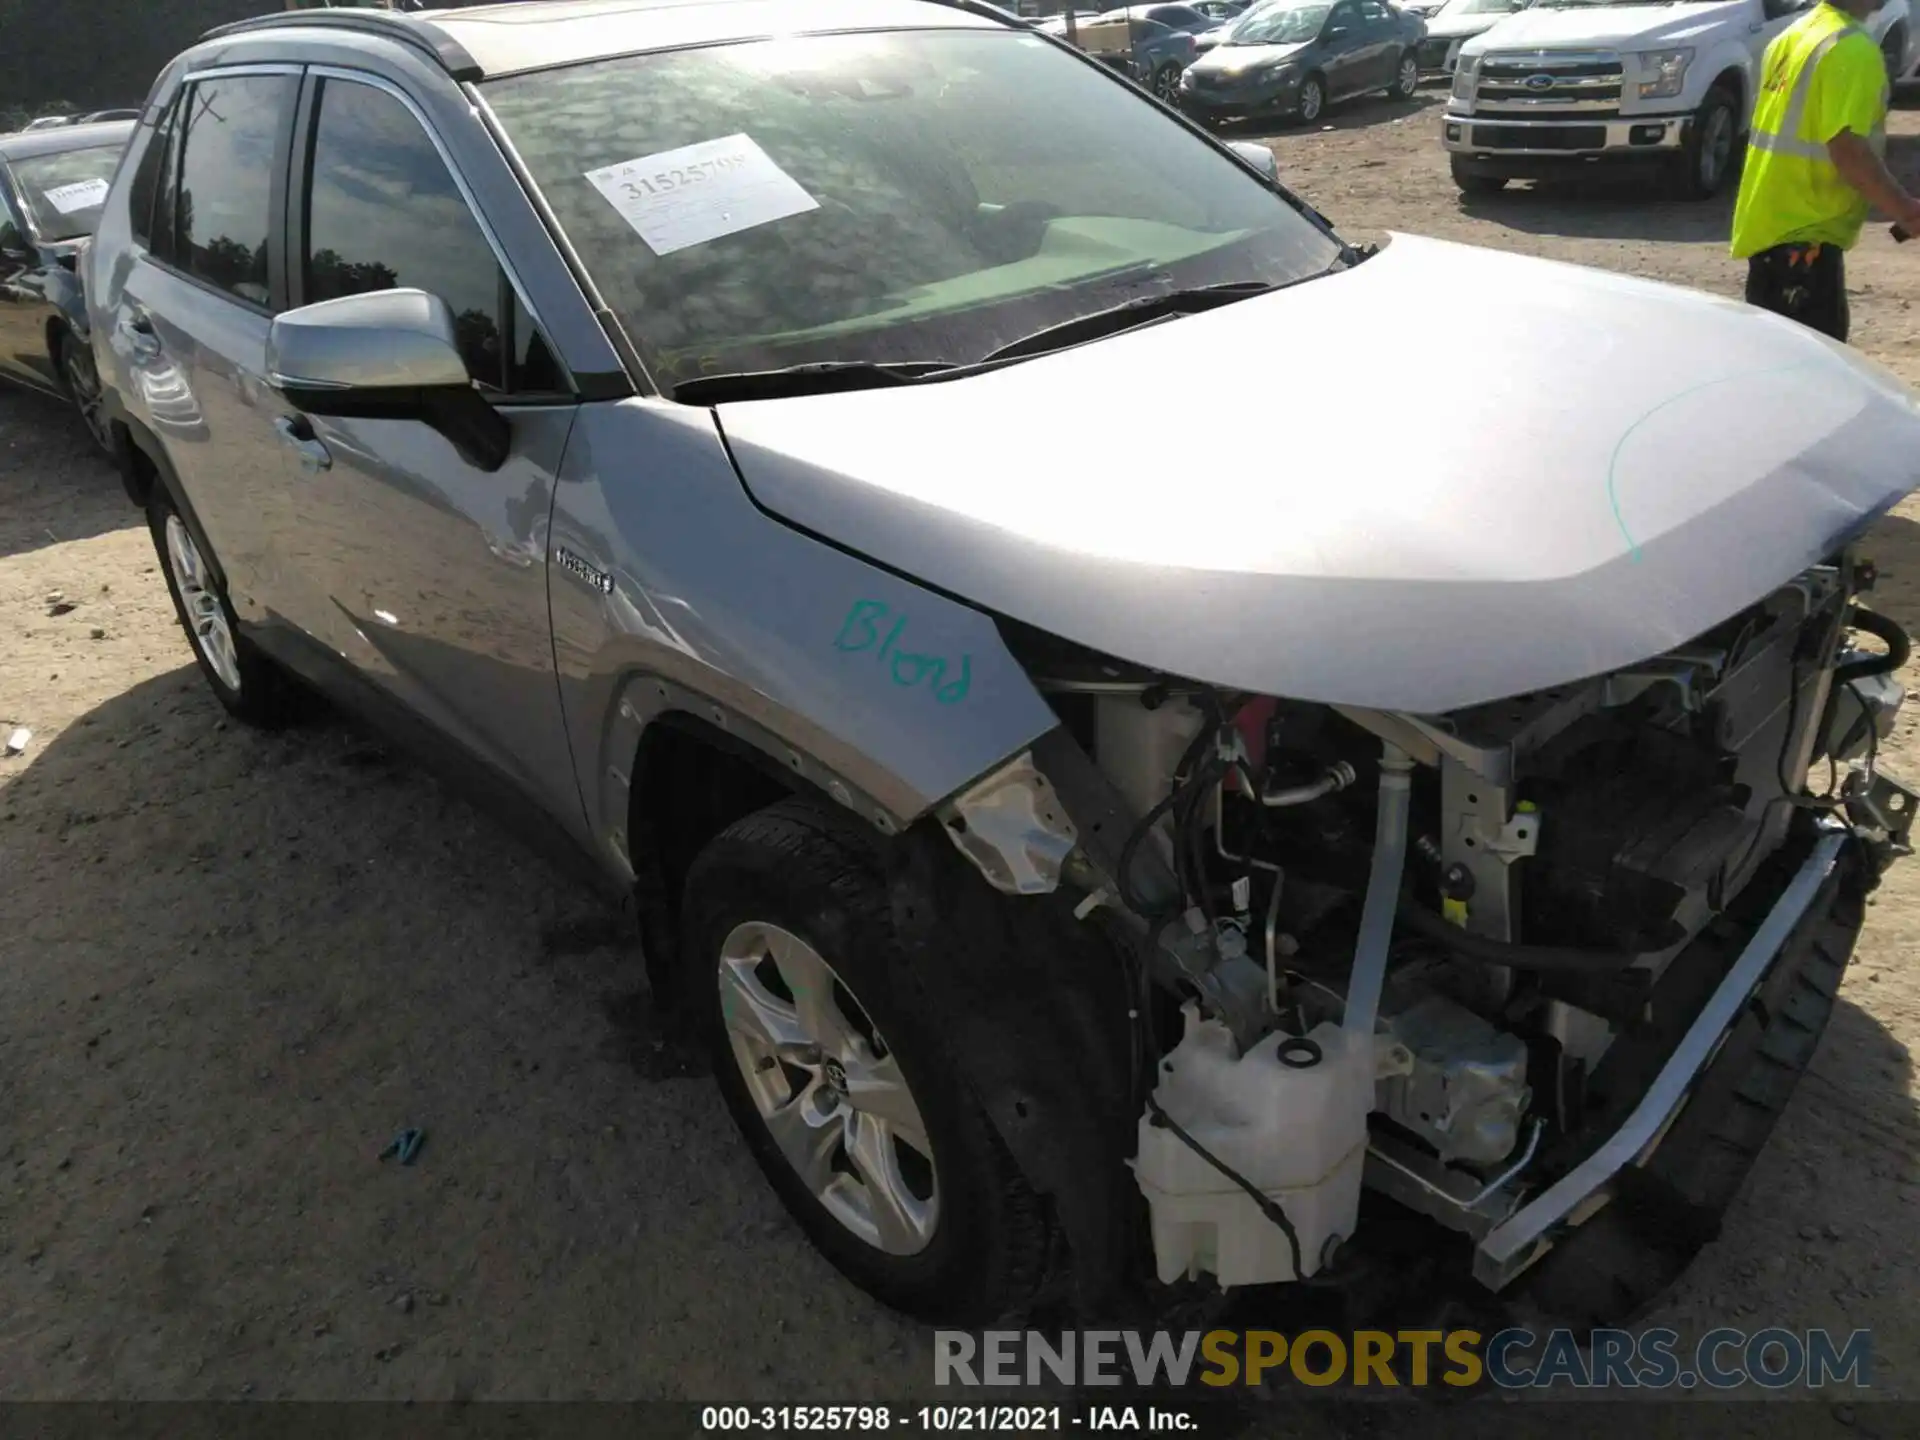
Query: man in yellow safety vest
{"x":1814,"y":165}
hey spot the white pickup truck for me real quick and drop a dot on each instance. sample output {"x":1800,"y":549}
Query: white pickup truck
{"x":1571,"y":83}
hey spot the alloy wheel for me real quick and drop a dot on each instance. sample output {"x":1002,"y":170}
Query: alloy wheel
{"x":200,"y":598}
{"x":1311,"y":100}
{"x":1409,"y":76}
{"x":83,"y":386}
{"x":828,"y":1089}
{"x":1167,"y":84}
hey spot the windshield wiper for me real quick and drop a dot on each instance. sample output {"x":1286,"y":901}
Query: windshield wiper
{"x":1124,"y":316}
{"x":819,"y":378}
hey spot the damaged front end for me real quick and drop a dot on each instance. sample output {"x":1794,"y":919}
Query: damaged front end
{"x":1490,"y":962}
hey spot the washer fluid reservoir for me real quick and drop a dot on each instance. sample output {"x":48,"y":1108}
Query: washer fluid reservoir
{"x":1290,"y":1116}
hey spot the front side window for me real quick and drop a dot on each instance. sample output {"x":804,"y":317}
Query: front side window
{"x":222,"y":210}
{"x":383,"y":212}
{"x":64,"y":192}
{"x":926,"y":195}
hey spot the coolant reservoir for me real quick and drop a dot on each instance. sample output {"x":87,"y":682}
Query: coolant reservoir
{"x":1290,"y":1116}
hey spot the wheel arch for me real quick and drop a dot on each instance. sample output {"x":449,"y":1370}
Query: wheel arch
{"x":1732,"y":71}
{"x":682,"y":768}
{"x":1735,"y":80}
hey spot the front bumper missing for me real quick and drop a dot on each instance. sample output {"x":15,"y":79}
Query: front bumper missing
{"x":1530,"y":1230}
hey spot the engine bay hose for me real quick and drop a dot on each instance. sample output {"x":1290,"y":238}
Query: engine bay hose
{"x":1884,"y":629}
{"x":1488,"y":951}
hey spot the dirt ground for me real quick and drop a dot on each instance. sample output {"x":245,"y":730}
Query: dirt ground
{"x":232,"y":966}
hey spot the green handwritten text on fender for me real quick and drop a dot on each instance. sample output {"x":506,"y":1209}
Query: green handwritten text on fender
{"x":873,"y":627}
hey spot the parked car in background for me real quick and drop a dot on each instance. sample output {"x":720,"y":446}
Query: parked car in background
{"x":97,"y":116}
{"x":1222,"y":13}
{"x":52,"y":185}
{"x":1151,"y":52}
{"x":1293,"y":58}
{"x":1566,"y":85}
{"x":50,"y":122}
{"x":1454,"y":22}
{"x":1188,"y":19}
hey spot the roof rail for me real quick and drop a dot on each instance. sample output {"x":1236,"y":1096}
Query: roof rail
{"x":423,"y":36}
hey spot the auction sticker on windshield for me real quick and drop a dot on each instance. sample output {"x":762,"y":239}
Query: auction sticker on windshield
{"x":686,"y":197}
{"x":81,"y":195}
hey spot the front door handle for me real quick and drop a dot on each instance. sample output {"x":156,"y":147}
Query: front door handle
{"x":141,"y":336}
{"x":296,"y":433}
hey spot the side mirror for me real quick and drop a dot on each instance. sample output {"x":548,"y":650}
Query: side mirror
{"x":390,"y":355}
{"x":1258,"y":156}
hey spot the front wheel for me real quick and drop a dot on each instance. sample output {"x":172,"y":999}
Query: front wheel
{"x":1313,"y":99}
{"x":1166,"y":84}
{"x":1707,"y":158}
{"x":1406,"y":77}
{"x":840,"y":1086}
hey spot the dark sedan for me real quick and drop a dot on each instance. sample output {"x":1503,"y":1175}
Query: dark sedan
{"x":1294,"y":59}
{"x":52,"y":185}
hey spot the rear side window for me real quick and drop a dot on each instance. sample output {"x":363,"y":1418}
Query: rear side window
{"x":228,"y":127}
{"x":383,"y":212}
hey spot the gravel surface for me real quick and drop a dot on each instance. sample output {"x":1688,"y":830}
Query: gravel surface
{"x":233,"y":966}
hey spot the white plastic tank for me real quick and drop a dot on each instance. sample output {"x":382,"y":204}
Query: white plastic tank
{"x":1139,"y":749}
{"x":1290,"y":1116}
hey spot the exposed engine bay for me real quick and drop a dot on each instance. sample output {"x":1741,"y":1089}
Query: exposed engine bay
{"x":1451,"y":918}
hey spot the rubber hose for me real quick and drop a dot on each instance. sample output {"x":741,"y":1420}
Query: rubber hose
{"x":1898,"y":648}
{"x":1489,"y":951}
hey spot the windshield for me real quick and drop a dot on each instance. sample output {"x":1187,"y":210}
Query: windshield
{"x":907,"y":196}
{"x":64,"y":192}
{"x":1279,"y":25}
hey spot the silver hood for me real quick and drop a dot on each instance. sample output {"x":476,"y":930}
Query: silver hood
{"x":1612,"y":467}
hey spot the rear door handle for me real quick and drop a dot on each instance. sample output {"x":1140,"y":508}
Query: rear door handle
{"x":296,"y":433}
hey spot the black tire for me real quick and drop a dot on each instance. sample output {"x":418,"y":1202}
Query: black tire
{"x":73,"y":363}
{"x":1475,"y":182}
{"x":1166,"y":84}
{"x":1711,"y":155}
{"x":1893,"y":53}
{"x":815,"y":875}
{"x":265,"y":697}
{"x":1311,"y":103}
{"x":1406,"y":76}
{"x":1618,"y":1264}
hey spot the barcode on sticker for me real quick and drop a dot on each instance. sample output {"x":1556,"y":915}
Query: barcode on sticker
{"x":81,"y":195}
{"x":681,"y":198}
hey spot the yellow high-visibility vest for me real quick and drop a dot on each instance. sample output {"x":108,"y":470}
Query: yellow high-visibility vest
{"x":1822,"y":76}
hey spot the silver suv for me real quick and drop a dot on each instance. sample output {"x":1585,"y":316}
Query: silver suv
{"x":707,"y":426}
